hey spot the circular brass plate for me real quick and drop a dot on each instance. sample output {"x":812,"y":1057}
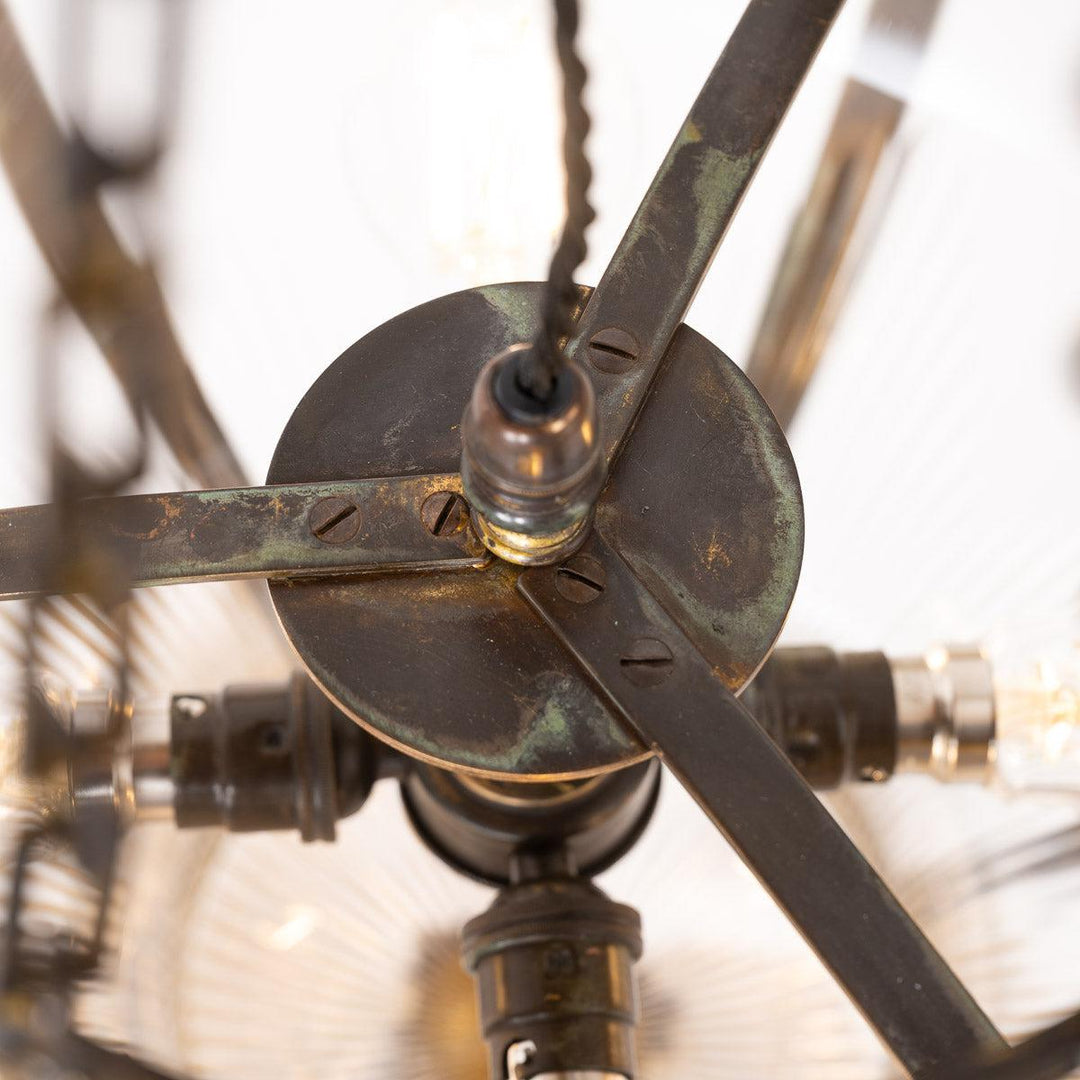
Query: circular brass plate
{"x":454,"y":667}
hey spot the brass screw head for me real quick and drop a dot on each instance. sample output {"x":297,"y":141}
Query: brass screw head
{"x":334,"y":520}
{"x":613,"y":350}
{"x":444,"y":513}
{"x":648,"y":662}
{"x":580,"y":579}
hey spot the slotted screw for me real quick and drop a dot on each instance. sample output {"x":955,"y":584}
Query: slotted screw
{"x":647,"y":662}
{"x":444,"y":513}
{"x":613,"y":350}
{"x":580,"y":579}
{"x":334,"y":520}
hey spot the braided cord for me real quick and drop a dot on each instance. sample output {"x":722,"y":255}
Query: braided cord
{"x":541,"y":365}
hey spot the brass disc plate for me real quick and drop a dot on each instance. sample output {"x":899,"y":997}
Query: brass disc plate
{"x":453,"y":666}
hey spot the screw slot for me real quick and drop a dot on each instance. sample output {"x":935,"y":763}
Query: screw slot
{"x":334,"y":520}
{"x":648,"y":662}
{"x":613,"y":350}
{"x":580,"y":579}
{"x":445,"y":513}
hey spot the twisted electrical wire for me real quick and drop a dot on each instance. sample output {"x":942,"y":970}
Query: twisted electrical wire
{"x":540,"y":366}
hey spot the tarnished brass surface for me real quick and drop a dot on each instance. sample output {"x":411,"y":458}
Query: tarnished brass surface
{"x":529,"y":550}
{"x":285,"y":531}
{"x":651,"y":280}
{"x":454,"y":667}
{"x":753,"y":794}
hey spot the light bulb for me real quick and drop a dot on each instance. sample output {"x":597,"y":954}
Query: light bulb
{"x":1037,"y":741}
{"x":992,"y":715}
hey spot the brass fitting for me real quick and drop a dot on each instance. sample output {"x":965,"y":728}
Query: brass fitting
{"x":531,"y":477}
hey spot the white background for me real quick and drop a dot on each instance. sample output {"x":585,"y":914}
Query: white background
{"x":339,"y":161}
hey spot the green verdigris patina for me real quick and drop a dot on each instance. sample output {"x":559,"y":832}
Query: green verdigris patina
{"x":456,"y":668}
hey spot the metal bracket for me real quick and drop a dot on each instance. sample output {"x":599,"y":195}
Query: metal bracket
{"x":647,"y":288}
{"x":283,"y":531}
{"x":669,"y":696}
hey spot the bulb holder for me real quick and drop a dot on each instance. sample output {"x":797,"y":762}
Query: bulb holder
{"x":531,"y":476}
{"x":553,"y":963}
{"x":267,"y":757}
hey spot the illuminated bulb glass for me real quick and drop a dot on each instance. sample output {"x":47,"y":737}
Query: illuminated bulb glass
{"x":1038,"y":728}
